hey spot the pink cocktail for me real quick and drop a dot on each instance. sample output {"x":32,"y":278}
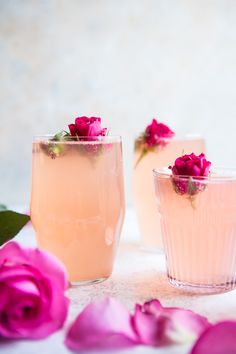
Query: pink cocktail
{"x":143,"y":187}
{"x":199,"y":232}
{"x":77,"y":203}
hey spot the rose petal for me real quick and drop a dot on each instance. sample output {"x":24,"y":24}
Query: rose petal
{"x":72,"y":129}
{"x":218,"y":339}
{"x":158,"y":326}
{"x":102,"y":324}
{"x":94,"y":129}
{"x":147,"y":326}
{"x":192,"y":169}
{"x":184,"y":325}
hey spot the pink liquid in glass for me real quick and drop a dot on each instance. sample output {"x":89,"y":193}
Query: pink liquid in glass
{"x":199,"y":235}
{"x":77,"y":204}
{"x":143,"y":187}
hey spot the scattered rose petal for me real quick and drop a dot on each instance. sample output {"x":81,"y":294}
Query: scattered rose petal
{"x":158,"y":325}
{"x":106,"y":324}
{"x":146,"y":322}
{"x":218,"y":339}
{"x":103,"y":324}
{"x":32,"y":285}
{"x":183,"y":326}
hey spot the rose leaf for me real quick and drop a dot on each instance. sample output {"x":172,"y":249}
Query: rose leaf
{"x":11,"y":223}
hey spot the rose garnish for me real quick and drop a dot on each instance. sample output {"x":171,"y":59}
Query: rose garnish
{"x":83,"y":129}
{"x":107,"y":324}
{"x":156,"y":135}
{"x":87,"y":127}
{"x":188,"y":174}
{"x":32,"y":300}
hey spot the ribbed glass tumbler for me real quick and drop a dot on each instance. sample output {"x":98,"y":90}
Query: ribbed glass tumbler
{"x":199,"y":231}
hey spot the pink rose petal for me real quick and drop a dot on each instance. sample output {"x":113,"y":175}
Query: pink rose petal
{"x":72,"y":128}
{"x":158,"y":326}
{"x":106,"y":324}
{"x":103,"y":324}
{"x":218,"y":339}
{"x":147,"y":326}
{"x":183,"y":326}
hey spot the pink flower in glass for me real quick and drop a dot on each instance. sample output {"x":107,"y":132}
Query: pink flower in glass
{"x":85,"y":126}
{"x":157,"y":134}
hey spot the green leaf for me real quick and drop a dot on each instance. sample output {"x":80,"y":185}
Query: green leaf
{"x":54,"y":148}
{"x":10,"y":224}
{"x":61,"y":136}
{"x":3,"y":207}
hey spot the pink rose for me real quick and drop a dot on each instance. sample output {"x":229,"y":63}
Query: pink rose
{"x":157,"y":134}
{"x":85,"y":126}
{"x":32,"y":300}
{"x":190,"y":166}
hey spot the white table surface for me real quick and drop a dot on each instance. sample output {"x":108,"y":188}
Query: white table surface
{"x":138,"y":276}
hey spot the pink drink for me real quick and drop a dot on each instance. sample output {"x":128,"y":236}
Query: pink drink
{"x":77,"y":203}
{"x":143,"y":187}
{"x":199,"y":235}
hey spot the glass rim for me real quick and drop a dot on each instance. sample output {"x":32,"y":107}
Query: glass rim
{"x":84,"y":139}
{"x":187,"y":136}
{"x":218,"y":174}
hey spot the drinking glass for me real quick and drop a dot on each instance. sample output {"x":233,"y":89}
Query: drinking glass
{"x":199,"y":231}
{"x":143,"y":188}
{"x":77,"y":203}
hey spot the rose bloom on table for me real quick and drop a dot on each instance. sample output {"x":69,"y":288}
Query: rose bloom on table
{"x":32,"y":300}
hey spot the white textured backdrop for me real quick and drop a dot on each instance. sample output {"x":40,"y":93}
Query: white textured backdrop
{"x":124,"y":60}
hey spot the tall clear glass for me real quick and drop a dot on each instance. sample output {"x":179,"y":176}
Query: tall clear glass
{"x":199,"y":232}
{"x":77,"y":203}
{"x":143,"y":188}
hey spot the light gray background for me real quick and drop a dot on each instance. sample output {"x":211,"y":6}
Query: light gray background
{"x":123,"y":60}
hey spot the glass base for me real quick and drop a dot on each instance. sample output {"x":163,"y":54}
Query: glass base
{"x":202,"y":288}
{"x":74,"y":284}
